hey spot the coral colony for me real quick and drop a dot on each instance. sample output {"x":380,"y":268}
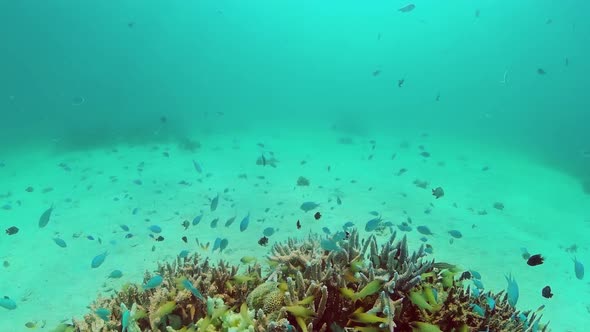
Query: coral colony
{"x":341,"y":283}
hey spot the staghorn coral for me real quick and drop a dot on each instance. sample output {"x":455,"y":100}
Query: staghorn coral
{"x":359,"y":286}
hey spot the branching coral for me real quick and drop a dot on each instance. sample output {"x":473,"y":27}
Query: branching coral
{"x":357,"y":286}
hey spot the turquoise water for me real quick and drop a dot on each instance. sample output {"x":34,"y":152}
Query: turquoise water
{"x":90,"y":90}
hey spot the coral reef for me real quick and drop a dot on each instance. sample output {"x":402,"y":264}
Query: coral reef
{"x":354,"y":285}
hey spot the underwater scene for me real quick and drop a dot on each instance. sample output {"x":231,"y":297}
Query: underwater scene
{"x":283,"y":166}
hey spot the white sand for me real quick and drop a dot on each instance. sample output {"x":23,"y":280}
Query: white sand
{"x":545,"y":212}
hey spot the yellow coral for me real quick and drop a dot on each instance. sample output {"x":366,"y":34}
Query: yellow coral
{"x":267,"y":297}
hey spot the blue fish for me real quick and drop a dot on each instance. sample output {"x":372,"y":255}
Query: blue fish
{"x":244,"y":223}
{"x":491,"y":302}
{"x":103,"y":313}
{"x":60,"y":242}
{"x":348,"y":225}
{"x":7,"y":303}
{"x":374,"y":213}
{"x":230,"y":221}
{"x":329,"y":245}
{"x":308,"y":206}
{"x":155,"y":229}
{"x":98,"y":260}
{"x":214,"y":203}
{"x":44,"y":219}
{"x":125,"y":228}
{"x":424,"y":230}
{"x":578,"y":268}
{"x":477,"y":283}
{"x":214,"y":223}
{"x":154,"y":282}
{"x":455,"y":233}
{"x":475,"y":292}
{"x":187,"y":285}
{"x":125,"y":317}
{"x":404,"y":227}
{"x":475,"y":274}
{"x":478,"y":310}
{"x":339,"y":236}
{"x":116,"y":274}
{"x":512,"y":290}
{"x":197,"y":167}
{"x":223,"y":245}
{"x":216,"y":244}
{"x":269,"y":231}
{"x":372,"y":224}
{"x":326,"y":230}
{"x":90,"y":237}
{"x":197,"y":219}
{"x":183,"y":254}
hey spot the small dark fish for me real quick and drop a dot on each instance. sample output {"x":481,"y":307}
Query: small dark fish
{"x":425,"y":154}
{"x":541,"y":71}
{"x":135,"y":210}
{"x":186,"y":224}
{"x":44,"y":219}
{"x":407,"y":8}
{"x":29,"y":189}
{"x":263,"y":241}
{"x":338,"y":200}
{"x":376,"y":72}
{"x":400,"y":82}
{"x":214,"y":203}
{"x":184,"y":239}
{"x":438,"y":192}
{"x":128,"y":235}
{"x":160,"y":238}
{"x":401,"y":171}
{"x":317,"y":216}
{"x":124,"y":227}
{"x":437,"y":97}
{"x":546,"y":292}
{"x":12,"y":230}
{"x":298,"y":224}
{"x":499,"y":206}
{"x":535,"y":260}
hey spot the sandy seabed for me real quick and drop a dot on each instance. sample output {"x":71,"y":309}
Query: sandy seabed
{"x":94,"y":192}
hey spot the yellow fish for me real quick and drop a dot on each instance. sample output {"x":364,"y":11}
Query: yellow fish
{"x":370,"y":289}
